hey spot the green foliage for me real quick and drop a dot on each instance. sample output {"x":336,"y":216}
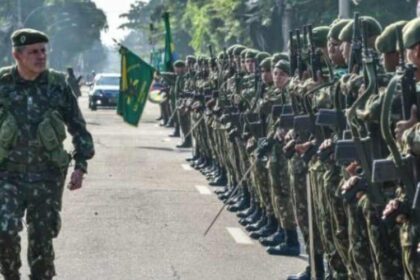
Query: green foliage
{"x":255,"y":23}
{"x":73,"y":26}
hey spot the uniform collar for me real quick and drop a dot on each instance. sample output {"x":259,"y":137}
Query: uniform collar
{"x":41,"y":79}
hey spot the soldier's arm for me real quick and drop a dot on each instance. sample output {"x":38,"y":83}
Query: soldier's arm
{"x":76,"y":125}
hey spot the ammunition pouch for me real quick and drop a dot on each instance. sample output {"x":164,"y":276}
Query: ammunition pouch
{"x":51,"y":134}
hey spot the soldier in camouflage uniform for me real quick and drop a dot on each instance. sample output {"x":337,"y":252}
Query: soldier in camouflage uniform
{"x":36,"y":105}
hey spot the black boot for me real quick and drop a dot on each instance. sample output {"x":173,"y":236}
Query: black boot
{"x":255,"y":216}
{"x":258,"y":223}
{"x":319,"y":266}
{"x":268,"y":229}
{"x":246,"y":212}
{"x":185,"y":144}
{"x":12,"y":276}
{"x":242,"y":204}
{"x":196,"y":162}
{"x":219,"y":181}
{"x":274,"y":239}
{"x":191,"y":159}
{"x":304,"y":275}
{"x":175,"y":133}
{"x":289,"y":248}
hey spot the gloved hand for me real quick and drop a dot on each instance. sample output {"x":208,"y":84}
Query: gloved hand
{"x":76,"y":180}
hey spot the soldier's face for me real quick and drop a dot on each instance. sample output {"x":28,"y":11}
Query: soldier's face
{"x":345,"y":49}
{"x":334,"y":52}
{"x":413,"y":55}
{"x":280,"y":78}
{"x":250,"y":65}
{"x":266,"y":76}
{"x":179,"y":70}
{"x":32,"y":58}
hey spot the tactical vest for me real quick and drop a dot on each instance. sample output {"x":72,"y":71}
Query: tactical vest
{"x":51,"y":131}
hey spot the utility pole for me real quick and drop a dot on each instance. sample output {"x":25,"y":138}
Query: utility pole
{"x":344,"y":8}
{"x":19,"y":14}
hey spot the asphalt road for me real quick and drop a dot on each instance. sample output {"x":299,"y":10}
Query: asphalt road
{"x":142,"y":213}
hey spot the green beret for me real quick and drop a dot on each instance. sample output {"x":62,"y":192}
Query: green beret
{"x":179,"y":63}
{"x":191,"y":59}
{"x":243,"y":53}
{"x":373,"y":28}
{"x":251,"y":53}
{"x":27,"y":36}
{"x":320,"y":36}
{"x":387,"y":41}
{"x":336,"y":28}
{"x":279,"y":56}
{"x":230,"y":49}
{"x":283,"y":65}
{"x":266,"y":63}
{"x":411,"y":33}
{"x":237,"y":51}
{"x":261,"y":56}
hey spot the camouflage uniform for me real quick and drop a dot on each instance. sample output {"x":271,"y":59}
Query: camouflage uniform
{"x":30,"y":182}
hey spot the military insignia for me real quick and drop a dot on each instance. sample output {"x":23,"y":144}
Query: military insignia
{"x":23,"y":39}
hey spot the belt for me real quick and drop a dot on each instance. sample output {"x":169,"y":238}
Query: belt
{"x":27,"y":168}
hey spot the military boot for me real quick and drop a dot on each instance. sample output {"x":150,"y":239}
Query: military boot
{"x":193,"y":158}
{"x":186,"y":144}
{"x":248,"y":211}
{"x":222,"y":190}
{"x":258,"y":223}
{"x":196,"y":162}
{"x":274,"y":239}
{"x":220,"y":180}
{"x":268,"y":229}
{"x":289,"y":248}
{"x":304,"y":275}
{"x":242,"y":204}
{"x":255,"y":216}
{"x":11,"y":276}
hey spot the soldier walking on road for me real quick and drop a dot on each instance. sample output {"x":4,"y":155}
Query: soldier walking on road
{"x":36,"y":105}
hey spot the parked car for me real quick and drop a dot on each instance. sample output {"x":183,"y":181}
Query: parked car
{"x":105,"y":91}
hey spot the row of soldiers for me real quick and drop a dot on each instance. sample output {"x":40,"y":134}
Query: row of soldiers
{"x":324,"y":138}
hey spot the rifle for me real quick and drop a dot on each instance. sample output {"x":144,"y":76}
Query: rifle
{"x":301,"y":66}
{"x":355,"y":60}
{"x":314,"y":56}
{"x":408,"y":81}
{"x":292,"y":54}
{"x":364,"y":146}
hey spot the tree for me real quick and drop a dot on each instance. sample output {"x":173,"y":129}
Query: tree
{"x":72,"y":25}
{"x":254,"y":23}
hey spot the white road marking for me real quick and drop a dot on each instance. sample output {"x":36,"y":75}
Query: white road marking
{"x":186,"y":167}
{"x":239,"y":235}
{"x":167,"y":140}
{"x":203,"y":190}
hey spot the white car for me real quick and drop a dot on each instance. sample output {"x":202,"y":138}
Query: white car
{"x":105,"y":90}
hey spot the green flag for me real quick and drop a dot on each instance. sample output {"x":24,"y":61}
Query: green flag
{"x":168,"y":59}
{"x":136,"y":78}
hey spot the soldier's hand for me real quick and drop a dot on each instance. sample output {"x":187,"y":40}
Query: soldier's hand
{"x":302,"y":148}
{"x":326,"y":144}
{"x":404,"y":125}
{"x":350,"y":183}
{"x":76,"y":180}
{"x":352,"y":168}
{"x":390,"y":208}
